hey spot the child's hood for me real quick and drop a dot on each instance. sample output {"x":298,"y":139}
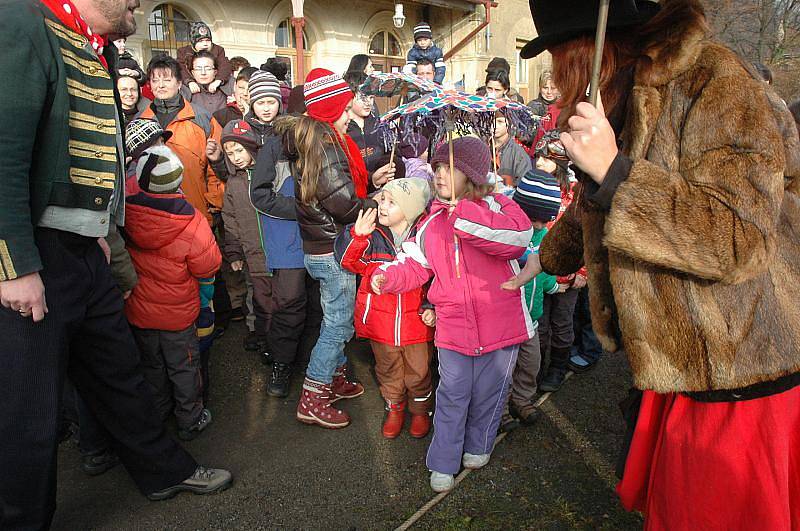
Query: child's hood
{"x":154,"y":221}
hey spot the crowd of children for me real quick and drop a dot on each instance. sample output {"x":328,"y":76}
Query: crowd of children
{"x":305,"y":222}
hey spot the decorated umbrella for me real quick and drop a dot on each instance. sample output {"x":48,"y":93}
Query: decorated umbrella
{"x":450,"y":111}
{"x":391,"y":84}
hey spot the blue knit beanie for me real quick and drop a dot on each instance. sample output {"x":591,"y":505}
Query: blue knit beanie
{"x":539,"y":195}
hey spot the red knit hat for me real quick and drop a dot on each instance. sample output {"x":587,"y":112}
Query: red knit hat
{"x":326,"y":95}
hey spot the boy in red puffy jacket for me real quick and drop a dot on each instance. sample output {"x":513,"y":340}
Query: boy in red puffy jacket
{"x":172,"y":247}
{"x":399,"y":330}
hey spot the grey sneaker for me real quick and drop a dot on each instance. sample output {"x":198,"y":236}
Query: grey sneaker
{"x":203,"y":481}
{"x":474,"y":462}
{"x":194,"y":430}
{"x":442,"y":482}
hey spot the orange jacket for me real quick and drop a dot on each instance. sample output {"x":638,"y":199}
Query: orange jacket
{"x":171,"y":247}
{"x":200,"y":184}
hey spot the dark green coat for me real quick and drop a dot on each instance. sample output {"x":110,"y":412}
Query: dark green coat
{"x":48,"y":154}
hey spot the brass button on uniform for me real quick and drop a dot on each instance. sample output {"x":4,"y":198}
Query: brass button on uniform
{"x":100,"y":127}
{"x":98,"y":154}
{"x":102,"y":222}
{"x":97,"y":97}
{"x":98,"y":201}
{"x":98,"y":180}
{"x":92,"y":70}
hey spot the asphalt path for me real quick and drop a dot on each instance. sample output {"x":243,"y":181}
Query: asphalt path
{"x":557,"y":474}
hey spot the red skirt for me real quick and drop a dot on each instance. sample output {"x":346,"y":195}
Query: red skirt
{"x":713,"y":466}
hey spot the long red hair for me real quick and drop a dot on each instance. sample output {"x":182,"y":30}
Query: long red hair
{"x":572,"y":70}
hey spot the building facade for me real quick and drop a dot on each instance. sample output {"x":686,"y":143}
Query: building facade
{"x":335,"y":30}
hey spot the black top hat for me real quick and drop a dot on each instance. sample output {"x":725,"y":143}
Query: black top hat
{"x":558,"y":21}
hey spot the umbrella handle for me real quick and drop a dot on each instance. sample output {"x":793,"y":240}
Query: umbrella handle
{"x":599,"y":44}
{"x":453,"y":198}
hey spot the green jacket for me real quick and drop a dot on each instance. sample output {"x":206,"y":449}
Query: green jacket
{"x":543,"y":283}
{"x":59,"y":136}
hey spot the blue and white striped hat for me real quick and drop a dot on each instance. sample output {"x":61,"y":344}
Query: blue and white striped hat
{"x":539,"y":195}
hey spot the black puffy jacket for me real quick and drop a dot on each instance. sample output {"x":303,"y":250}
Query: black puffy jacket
{"x":336,"y":203}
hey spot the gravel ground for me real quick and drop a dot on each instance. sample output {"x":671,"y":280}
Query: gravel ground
{"x":557,"y":474}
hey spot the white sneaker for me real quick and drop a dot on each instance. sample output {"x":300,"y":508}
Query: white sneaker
{"x":474,"y":462}
{"x":442,"y":482}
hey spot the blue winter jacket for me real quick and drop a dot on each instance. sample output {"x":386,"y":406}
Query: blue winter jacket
{"x":272,"y":194}
{"x":434,"y":54}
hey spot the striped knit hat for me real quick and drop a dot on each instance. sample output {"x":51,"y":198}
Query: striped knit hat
{"x":422,"y":31}
{"x":263,"y":85}
{"x":326,"y":95}
{"x":539,"y":195}
{"x":141,"y":133}
{"x":159,"y":170}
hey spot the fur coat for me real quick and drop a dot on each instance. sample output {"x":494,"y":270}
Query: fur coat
{"x":695,"y":269}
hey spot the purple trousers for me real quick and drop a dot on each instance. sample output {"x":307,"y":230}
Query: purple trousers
{"x":469,"y":404}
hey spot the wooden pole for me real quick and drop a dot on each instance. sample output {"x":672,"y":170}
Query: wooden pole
{"x":599,"y":44}
{"x":453,"y":199}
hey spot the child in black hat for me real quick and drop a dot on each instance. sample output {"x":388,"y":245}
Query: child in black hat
{"x":424,"y":47}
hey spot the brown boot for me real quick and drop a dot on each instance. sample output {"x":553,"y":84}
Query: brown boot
{"x":315,"y":407}
{"x":395,"y":418}
{"x":342,"y":387}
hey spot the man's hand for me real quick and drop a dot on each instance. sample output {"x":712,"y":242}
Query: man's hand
{"x":579,"y":282}
{"x":365,"y":223}
{"x":429,"y":317}
{"x":106,"y":249}
{"x":25,"y":295}
{"x":213,"y":150}
{"x":194,"y":87}
{"x":377,"y":283}
{"x":214,"y":85}
{"x":590,"y":142}
{"x":383,"y":175}
{"x":237,"y":265}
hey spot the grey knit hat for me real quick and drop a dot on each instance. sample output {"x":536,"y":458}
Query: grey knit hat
{"x":263,"y":85}
{"x":159,"y":170}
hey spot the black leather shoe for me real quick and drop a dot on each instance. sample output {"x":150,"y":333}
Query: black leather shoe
{"x":552,"y":381}
{"x":279,"y":381}
{"x":95,"y":465}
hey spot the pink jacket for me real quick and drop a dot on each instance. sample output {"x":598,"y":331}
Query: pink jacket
{"x":473,"y":314}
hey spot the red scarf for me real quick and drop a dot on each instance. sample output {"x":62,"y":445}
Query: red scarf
{"x":358,"y":169}
{"x":68,"y":14}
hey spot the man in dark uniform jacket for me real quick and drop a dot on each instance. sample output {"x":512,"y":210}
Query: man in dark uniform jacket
{"x":61,"y":195}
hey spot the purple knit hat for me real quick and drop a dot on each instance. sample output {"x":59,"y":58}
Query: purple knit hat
{"x":470,"y":155}
{"x":413,"y":148}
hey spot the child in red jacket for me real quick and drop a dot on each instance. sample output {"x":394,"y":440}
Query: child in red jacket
{"x":398,"y":327}
{"x":172,"y":247}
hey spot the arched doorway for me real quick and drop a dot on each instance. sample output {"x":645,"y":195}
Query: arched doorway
{"x":386,"y":52}
{"x":168,"y":28}
{"x":285,"y":41}
{"x":387,"y":56}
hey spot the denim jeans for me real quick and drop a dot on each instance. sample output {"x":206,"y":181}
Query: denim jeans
{"x":337,"y":289}
{"x":586,"y":343}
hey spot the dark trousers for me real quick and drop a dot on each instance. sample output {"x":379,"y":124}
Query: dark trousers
{"x":262,"y":303}
{"x":171,"y":363}
{"x":85,"y":335}
{"x":296,"y":316}
{"x":586,"y":343}
{"x":556,"y":333}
